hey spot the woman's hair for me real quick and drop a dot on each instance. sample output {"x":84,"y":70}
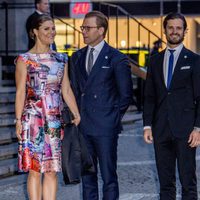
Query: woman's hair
{"x":37,"y":22}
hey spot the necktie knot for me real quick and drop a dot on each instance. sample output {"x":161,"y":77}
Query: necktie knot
{"x":171,"y":51}
{"x":92,"y":49}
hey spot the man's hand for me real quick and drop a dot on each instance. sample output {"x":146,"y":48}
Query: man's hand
{"x":148,"y":138}
{"x":194,"y":139}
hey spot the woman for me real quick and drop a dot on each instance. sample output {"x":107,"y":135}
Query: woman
{"x":41,"y":77}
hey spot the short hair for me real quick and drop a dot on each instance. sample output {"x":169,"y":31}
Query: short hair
{"x":37,"y":22}
{"x":175,"y":16}
{"x":101,"y":19}
{"x":36,"y":2}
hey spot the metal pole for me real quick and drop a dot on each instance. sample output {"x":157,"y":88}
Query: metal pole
{"x":117,"y":29}
{"x":138,"y":39}
{"x":74,"y":34}
{"x":66,"y":34}
{"x":128,"y":33}
{"x":108,"y":32}
{"x":179,"y":6}
{"x":79,"y":40}
{"x":149,"y":39}
{"x":99,"y":7}
{"x":161,"y":19}
{"x":6,"y":27}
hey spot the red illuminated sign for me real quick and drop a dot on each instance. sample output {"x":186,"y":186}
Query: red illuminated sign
{"x":81,"y":8}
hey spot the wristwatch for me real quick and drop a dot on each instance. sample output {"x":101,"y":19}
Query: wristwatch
{"x":17,"y":119}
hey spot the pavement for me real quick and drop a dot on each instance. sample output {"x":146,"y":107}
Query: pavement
{"x":136,"y":170}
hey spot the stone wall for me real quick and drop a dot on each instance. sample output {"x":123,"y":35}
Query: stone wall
{"x":17,"y":37}
{"x":21,"y":16}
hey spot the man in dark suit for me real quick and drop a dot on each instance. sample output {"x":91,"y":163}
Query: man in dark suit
{"x":101,"y":79}
{"x":42,"y":7}
{"x":172,"y":111}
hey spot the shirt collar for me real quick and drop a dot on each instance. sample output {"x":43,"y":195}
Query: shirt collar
{"x":40,"y":13}
{"x":98,"y":47}
{"x":177,"y":49}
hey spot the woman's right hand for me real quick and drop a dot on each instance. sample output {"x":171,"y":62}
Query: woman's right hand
{"x":19,"y":129}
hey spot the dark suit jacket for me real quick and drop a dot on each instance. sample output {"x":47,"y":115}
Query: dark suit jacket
{"x":28,"y":28}
{"x":105,"y":94}
{"x":180,"y":105}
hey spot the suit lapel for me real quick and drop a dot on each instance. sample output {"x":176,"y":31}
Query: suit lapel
{"x":82,"y":63}
{"x":180,"y":62}
{"x":161,"y":64}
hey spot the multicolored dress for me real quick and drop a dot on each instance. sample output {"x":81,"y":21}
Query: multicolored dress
{"x":40,"y":148}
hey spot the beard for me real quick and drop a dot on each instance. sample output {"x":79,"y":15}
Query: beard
{"x":172,"y":41}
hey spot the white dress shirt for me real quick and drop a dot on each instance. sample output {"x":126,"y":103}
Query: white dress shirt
{"x":96,"y":52}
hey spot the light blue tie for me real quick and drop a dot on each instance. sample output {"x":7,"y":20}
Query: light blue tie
{"x":170,"y":67}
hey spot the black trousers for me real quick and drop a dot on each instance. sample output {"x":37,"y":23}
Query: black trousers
{"x":168,"y":152}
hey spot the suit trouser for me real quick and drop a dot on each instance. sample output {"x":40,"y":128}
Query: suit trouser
{"x":103,"y":150}
{"x":167,"y":152}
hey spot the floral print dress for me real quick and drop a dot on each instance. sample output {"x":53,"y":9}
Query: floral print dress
{"x":40,"y":148}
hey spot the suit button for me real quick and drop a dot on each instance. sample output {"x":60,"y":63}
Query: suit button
{"x":95,"y":96}
{"x":83,"y":94}
{"x":169,"y":93}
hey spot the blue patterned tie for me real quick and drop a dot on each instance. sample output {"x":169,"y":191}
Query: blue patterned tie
{"x":170,"y":67}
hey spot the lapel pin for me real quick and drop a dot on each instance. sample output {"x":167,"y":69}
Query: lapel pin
{"x":106,"y":57}
{"x":185,"y":56}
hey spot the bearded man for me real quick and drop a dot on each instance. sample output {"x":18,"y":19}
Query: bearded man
{"x":172,"y":111}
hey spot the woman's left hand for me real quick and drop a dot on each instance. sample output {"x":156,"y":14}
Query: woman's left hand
{"x":76,"y":119}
